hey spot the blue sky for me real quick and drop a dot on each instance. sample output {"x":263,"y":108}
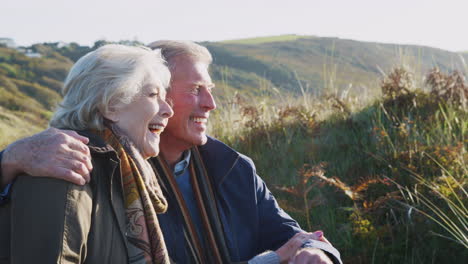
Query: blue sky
{"x":441,"y":24}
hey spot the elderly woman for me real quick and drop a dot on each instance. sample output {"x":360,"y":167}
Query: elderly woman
{"x":114,"y":95}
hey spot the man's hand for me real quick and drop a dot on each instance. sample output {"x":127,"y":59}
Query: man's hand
{"x":53,"y":153}
{"x":289,"y":250}
{"x":311,"y":256}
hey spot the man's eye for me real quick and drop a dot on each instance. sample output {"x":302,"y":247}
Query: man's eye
{"x":196,"y":89}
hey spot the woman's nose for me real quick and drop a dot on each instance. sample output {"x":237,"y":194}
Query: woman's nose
{"x":165,"y":109}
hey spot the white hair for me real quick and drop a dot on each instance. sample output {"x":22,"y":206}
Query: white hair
{"x":181,"y":49}
{"x":103,"y":80}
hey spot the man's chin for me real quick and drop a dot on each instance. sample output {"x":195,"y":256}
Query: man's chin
{"x":201,"y":140}
{"x":204,"y":140}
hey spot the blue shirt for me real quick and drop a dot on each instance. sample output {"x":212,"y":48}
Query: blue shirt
{"x":182,"y":174}
{"x":182,"y":165}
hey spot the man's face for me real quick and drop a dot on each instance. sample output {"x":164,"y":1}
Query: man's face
{"x":192,"y":101}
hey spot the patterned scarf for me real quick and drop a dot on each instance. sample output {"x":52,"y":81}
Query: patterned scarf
{"x":143,"y":200}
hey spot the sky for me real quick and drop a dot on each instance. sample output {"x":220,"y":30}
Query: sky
{"x":441,"y":24}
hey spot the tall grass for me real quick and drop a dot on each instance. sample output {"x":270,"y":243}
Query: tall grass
{"x":385,"y":180}
{"x":450,"y":212}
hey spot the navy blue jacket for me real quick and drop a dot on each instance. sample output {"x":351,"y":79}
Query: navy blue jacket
{"x":252,"y":220}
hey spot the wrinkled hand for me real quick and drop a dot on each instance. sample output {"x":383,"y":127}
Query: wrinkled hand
{"x":290,"y":250}
{"x":61,"y":154}
{"x":311,"y":256}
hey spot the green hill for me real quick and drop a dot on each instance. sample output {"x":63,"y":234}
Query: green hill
{"x":266,"y":67}
{"x":261,"y":40}
{"x":29,"y":90}
{"x":322,"y":65}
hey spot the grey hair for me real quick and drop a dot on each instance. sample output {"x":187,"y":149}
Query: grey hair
{"x":104,"y":80}
{"x":177,"y":49}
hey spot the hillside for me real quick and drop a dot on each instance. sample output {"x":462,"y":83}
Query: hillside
{"x":29,"y":90}
{"x":267,"y":67}
{"x":323,"y":65}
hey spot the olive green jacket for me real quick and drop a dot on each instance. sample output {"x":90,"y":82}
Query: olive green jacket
{"x":54,"y":221}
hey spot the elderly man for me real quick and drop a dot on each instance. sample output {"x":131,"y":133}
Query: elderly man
{"x":220,"y":210}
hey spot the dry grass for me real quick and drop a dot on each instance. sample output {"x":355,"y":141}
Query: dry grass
{"x":339,"y":165}
{"x":14,"y":126}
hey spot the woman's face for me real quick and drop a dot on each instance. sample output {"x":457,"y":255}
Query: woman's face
{"x":143,"y":120}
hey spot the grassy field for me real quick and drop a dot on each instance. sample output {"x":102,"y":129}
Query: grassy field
{"x":386,"y":181}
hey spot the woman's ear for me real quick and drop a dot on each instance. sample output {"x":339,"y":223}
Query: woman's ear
{"x":112,"y":114}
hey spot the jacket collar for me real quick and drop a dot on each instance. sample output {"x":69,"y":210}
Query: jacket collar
{"x":96,"y":143}
{"x":219,"y":159}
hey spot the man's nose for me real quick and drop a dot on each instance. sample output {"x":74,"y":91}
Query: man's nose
{"x":207,"y":101}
